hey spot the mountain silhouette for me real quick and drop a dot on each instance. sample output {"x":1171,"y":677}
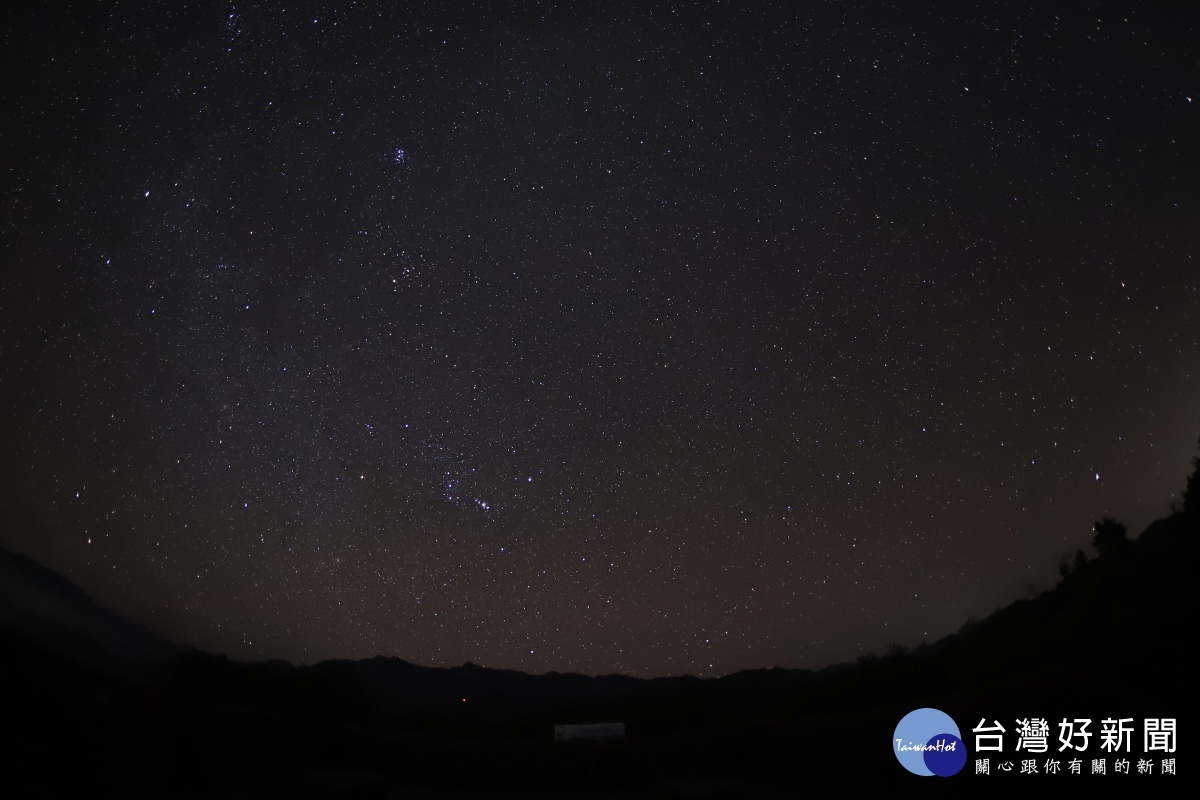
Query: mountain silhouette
{"x":133,"y":713}
{"x":53,"y":614}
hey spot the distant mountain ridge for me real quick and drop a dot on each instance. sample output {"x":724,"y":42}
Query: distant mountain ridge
{"x":1154,"y":574}
{"x":1113,"y":637}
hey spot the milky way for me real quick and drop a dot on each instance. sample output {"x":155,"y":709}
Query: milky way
{"x":671,"y":339}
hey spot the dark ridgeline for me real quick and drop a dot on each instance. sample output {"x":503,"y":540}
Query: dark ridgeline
{"x":96,"y":703}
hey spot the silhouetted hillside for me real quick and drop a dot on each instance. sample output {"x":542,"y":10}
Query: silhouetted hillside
{"x":55,"y":614}
{"x":138,"y":715}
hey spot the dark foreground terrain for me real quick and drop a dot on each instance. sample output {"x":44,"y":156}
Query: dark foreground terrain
{"x":94,"y":703}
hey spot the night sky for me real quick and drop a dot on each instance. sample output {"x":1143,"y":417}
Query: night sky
{"x":647,"y":338}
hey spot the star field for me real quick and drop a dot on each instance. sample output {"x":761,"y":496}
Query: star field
{"x":679,"y":338}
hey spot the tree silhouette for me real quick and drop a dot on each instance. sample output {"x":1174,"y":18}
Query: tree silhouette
{"x":1111,"y":537}
{"x":1191,"y":493}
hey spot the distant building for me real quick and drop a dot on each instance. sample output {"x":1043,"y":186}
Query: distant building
{"x":594,"y":731}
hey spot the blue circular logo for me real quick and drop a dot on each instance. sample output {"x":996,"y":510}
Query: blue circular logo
{"x":928,"y":742}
